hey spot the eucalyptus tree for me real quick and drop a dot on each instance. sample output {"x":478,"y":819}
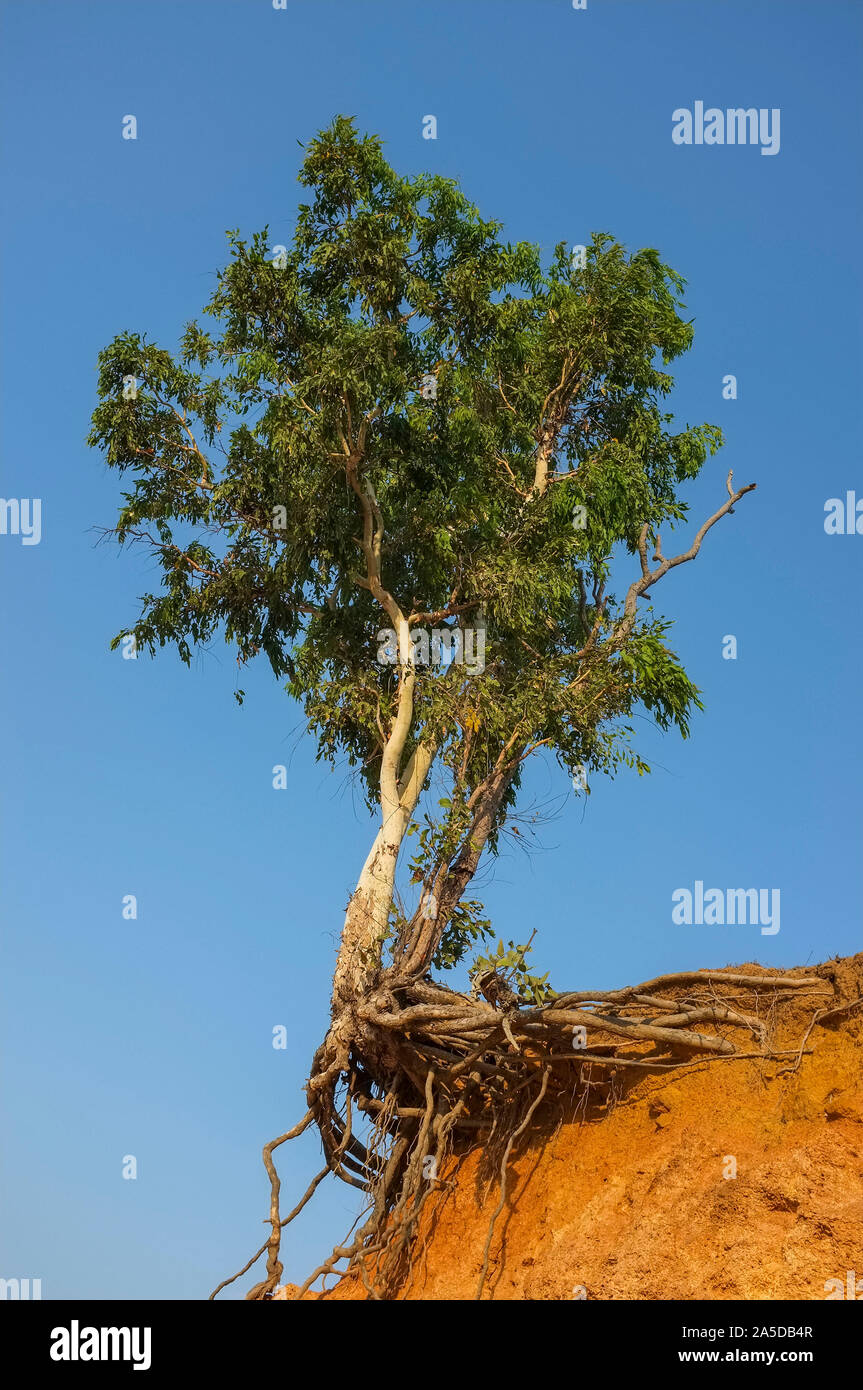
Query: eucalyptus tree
{"x":398,"y":441}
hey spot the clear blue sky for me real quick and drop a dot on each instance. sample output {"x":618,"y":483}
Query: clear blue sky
{"x":153,"y":1037}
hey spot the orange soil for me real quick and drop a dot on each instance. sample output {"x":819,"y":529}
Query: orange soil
{"x":634,"y":1202}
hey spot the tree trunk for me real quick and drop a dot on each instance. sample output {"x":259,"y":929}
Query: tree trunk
{"x":450,"y":880}
{"x":368,"y":911}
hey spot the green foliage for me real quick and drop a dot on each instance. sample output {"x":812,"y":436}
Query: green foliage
{"x":464,"y":928}
{"x":438,"y":839}
{"x":235,"y":452}
{"x":510,"y":962}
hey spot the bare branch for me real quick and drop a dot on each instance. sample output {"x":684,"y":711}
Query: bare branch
{"x":649,"y":577}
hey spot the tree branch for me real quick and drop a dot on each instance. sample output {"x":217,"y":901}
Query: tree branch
{"x":649,"y":577}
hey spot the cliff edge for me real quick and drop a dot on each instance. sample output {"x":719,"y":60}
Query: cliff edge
{"x":736,"y":1178}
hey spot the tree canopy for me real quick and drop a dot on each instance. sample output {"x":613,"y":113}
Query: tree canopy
{"x":402,"y":421}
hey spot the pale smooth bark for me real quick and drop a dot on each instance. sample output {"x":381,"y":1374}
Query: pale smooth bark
{"x":368,"y":911}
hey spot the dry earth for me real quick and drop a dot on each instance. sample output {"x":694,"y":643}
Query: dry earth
{"x":635,"y":1201}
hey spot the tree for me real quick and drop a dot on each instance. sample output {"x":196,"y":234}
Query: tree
{"x":400,"y":468}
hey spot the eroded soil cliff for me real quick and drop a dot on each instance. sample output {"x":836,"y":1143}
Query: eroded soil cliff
{"x":732,"y":1179}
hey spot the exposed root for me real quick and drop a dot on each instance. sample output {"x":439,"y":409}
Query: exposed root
{"x":274,"y":1268}
{"x":516,"y":1134}
{"x":434,"y":1072}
